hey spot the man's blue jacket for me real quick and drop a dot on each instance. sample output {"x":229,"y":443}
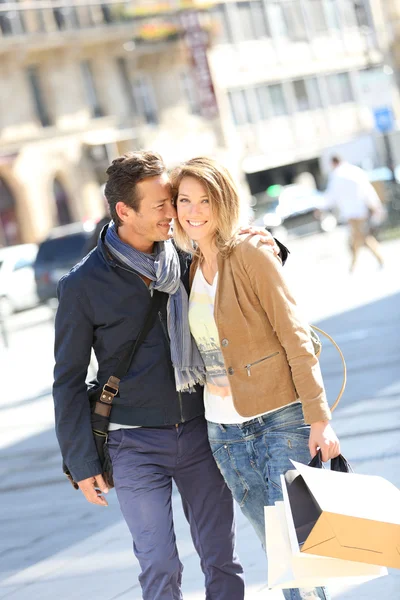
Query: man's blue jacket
{"x":103,"y":304}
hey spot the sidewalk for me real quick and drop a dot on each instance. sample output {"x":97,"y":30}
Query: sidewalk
{"x":102,"y":566}
{"x":55,"y":546}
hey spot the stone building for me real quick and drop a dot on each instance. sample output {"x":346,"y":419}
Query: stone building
{"x":79,"y":85}
{"x":288,"y":84}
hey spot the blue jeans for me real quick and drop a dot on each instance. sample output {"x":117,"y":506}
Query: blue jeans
{"x":251,"y":457}
{"x":145,"y":462}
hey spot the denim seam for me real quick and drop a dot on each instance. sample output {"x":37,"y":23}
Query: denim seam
{"x":287,"y":424}
{"x":241,"y":479}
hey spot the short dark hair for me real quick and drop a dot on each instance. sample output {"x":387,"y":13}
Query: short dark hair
{"x":125,"y":173}
{"x":336,"y":160}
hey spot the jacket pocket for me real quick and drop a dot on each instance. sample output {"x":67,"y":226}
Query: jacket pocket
{"x":257,"y":362}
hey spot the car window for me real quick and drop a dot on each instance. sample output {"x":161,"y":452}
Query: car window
{"x":66,"y":248}
{"x":22,"y":263}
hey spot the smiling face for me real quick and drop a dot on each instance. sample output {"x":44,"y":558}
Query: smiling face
{"x":194,"y":211}
{"x":152,"y":222}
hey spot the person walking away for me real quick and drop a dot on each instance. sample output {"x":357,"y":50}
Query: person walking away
{"x":265,"y":401}
{"x":351,"y":193}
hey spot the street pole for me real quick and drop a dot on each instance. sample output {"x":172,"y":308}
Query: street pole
{"x":389,"y":160}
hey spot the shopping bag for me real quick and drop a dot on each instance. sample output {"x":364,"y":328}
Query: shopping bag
{"x":343,"y":515}
{"x":296,"y":570}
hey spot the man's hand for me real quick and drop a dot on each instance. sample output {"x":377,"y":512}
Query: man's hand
{"x":322,"y":436}
{"x":265,"y":235}
{"x":92,"y":488}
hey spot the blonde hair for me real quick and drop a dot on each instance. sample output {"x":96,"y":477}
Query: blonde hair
{"x":224,"y":202}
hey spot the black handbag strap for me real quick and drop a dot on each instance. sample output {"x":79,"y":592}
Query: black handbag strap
{"x":126,"y":359}
{"x":111,"y":388}
{"x":337,"y":464}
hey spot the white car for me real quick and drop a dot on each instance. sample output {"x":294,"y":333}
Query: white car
{"x":17,"y":279}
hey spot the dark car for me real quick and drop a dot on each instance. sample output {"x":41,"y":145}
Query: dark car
{"x":63,"y":248}
{"x":296,"y":211}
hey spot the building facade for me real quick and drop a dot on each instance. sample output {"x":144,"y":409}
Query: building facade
{"x":270,"y":87}
{"x":81,"y":84}
{"x":287,"y":80}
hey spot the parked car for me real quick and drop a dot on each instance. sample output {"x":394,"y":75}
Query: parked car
{"x":296,"y":210}
{"x":63,"y":248}
{"x":17,"y":280}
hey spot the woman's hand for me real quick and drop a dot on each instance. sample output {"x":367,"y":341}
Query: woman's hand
{"x":322,"y":436}
{"x":265,"y":236}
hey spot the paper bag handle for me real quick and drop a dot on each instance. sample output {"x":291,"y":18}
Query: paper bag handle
{"x":339,"y":463}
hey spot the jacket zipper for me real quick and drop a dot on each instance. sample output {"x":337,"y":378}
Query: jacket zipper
{"x":172,"y":368}
{"x":248,"y":367}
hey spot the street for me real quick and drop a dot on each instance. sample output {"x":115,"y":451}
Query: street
{"x":55,"y":546}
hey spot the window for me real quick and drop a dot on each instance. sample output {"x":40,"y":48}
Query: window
{"x":317,"y":15}
{"x":38,"y":96}
{"x":22,"y":263}
{"x":246,"y":22}
{"x":345,"y":87}
{"x":277,"y":19}
{"x":239,"y":107}
{"x":220,"y":17}
{"x":332,"y":15}
{"x":314,"y":93}
{"x":145,"y":100}
{"x":190,"y":92}
{"x":301,"y":95}
{"x":348,"y":13}
{"x":277,"y":99}
{"x":259,"y":18}
{"x":263,"y":100}
{"x":126,"y":83}
{"x":90,"y":90}
{"x":339,"y":88}
{"x":294,"y":19}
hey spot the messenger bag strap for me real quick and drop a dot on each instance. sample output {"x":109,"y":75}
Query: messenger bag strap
{"x":111,"y":388}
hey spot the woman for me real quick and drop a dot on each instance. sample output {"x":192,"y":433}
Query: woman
{"x":264,"y":399}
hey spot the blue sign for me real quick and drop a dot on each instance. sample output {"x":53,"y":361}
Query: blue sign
{"x":384,"y":120}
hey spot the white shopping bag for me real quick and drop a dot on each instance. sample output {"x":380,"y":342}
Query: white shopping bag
{"x":288,"y":569}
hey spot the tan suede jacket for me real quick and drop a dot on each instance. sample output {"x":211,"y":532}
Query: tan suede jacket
{"x":266,"y":345}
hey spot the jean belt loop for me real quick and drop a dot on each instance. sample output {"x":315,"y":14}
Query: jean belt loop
{"x":261,"y":420}
{"x":221,"y":427}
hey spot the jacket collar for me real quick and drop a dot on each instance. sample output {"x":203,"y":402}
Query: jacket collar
{"x":102,"y":248}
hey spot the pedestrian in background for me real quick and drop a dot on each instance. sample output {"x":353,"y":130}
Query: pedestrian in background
{"x":265,"y":401}
{"x":351,"y":193}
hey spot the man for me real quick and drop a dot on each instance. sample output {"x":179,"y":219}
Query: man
{"x":157,"y":429}
{"x":350,"y":191}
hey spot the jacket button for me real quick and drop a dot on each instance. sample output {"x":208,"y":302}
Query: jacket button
{"x":224,"y":342}
{"x":231,"y":371}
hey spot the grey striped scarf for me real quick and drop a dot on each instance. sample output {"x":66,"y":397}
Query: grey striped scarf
{"x":163,"y":269}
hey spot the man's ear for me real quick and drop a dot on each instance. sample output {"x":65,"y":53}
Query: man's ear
{"x":123,"y":211}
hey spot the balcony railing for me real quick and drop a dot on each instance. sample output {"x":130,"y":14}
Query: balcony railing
{"x":149,"y":22}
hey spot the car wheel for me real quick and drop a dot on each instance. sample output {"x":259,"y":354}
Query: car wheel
{"x":280,"y":233}
{"x":328,"y":223}
{"x":6,"y":308}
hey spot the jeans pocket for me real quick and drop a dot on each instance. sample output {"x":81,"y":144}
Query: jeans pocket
{"x":233,"y":479}
{"x":115,"y":443}
{"x":283,"y":447}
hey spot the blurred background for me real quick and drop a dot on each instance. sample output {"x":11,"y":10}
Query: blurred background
{"x":273,"y":89}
